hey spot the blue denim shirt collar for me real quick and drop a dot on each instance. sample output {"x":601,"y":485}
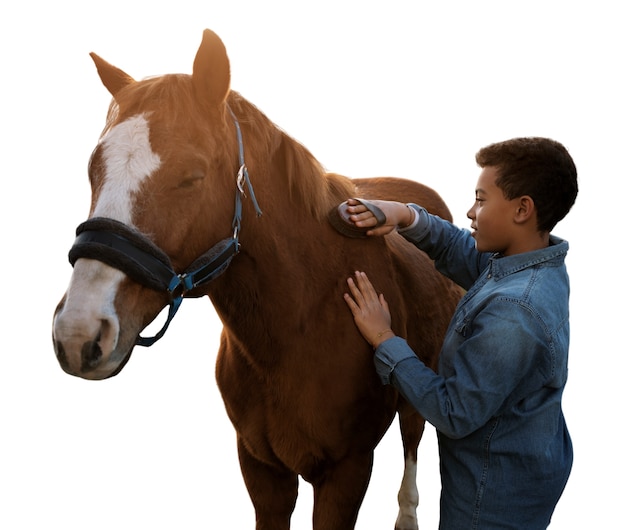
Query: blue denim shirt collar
{"x":501,"y":266}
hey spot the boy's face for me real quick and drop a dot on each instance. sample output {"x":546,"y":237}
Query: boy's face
{"x":492,"y":215}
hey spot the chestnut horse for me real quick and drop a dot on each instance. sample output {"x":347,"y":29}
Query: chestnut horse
{"x":195,"y":192}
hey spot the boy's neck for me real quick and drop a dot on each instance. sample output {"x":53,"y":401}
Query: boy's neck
{"x":533,"y":241}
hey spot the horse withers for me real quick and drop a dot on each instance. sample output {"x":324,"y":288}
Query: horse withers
{"x":195,"y":192}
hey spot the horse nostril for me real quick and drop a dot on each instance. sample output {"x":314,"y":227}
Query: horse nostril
{"x":91,"y":354}
{"x":61,"y":356}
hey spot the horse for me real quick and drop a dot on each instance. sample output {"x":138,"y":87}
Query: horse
{"x":195,"y":192}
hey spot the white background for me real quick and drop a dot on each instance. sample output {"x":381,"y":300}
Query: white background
{"x":411,"y":89}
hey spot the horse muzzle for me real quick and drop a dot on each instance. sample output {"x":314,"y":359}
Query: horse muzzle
{"x":98,"y":322}
{"x":86,"y":332}
{"x":131,"y":252}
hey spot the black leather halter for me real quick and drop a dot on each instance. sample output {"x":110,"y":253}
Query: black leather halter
{"x":128,"y":250}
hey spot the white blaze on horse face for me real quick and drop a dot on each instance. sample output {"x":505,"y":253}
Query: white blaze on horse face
{"x":128,"y":161}
{"x":89,"y":314}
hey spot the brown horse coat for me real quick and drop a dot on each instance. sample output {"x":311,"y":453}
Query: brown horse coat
{"x":296,"y":376}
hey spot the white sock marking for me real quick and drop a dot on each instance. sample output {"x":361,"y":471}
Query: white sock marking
{"x":408,"y":497}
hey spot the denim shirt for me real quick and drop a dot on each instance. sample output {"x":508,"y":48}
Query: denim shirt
{"x":505,"y":452}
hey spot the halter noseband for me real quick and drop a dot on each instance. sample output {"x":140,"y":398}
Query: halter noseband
{"x":128,"y":250}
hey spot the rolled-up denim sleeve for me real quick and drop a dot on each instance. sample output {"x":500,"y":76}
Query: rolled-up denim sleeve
{"x":389,"y":354}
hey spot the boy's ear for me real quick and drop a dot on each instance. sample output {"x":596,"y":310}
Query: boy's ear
{"x":525,"y":209}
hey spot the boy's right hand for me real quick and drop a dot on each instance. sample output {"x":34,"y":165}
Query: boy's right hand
{"x":398,"y":215}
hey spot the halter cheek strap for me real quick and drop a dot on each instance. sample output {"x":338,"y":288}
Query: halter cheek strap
{"x":128,"y":250}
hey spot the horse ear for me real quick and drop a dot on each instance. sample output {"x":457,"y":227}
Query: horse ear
{"x":112,"y":77}
{"x":211,"y":70}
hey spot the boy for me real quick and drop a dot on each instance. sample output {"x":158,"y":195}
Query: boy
{"x":505,"y":452}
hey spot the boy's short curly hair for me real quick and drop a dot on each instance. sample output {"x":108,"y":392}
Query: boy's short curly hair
{"x":538,"y":167}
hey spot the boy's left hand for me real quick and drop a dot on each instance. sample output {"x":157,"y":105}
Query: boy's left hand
{"x":370,"y":311}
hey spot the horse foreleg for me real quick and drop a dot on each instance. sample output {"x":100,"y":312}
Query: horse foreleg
{"x":339,"y":492}
{"x":411,"y":429}
{"x":273,"y":490}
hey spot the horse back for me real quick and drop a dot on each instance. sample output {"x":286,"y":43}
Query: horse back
{"x":403,"y":190}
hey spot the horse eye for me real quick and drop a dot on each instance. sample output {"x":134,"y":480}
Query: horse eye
{"x":191,"y":179}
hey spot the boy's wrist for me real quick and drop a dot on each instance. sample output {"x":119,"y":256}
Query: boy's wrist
{"x":412,"y":218}
{"x":381,"y":336}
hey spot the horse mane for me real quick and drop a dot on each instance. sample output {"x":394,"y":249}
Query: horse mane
{"x":309,"y":184}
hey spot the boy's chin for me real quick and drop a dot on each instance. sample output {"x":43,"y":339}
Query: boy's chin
{"x":481,"y":247}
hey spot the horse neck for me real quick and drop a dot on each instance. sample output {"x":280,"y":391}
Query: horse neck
{"x":279,"y":249}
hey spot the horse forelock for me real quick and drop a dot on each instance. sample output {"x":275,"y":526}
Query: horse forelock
{"x":170,"y":97}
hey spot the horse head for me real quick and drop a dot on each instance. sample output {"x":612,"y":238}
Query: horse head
{"x":154,"y":174}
